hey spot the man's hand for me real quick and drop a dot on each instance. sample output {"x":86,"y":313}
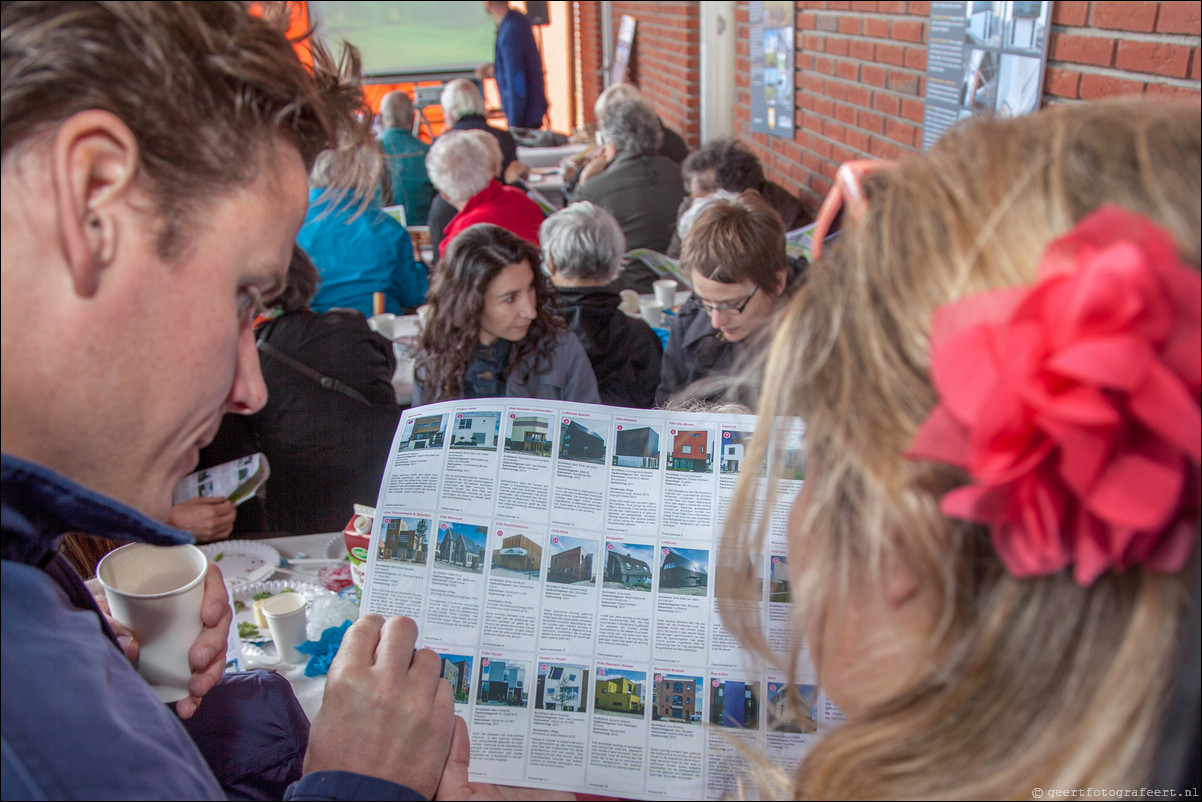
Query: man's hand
{"x":209,"y":518}
{"x":455,"y":785}
{"x":387,"y":712}
{"x":207,"y":655}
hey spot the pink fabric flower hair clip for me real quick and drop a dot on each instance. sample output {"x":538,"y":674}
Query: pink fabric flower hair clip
{"x":1073,"y":404}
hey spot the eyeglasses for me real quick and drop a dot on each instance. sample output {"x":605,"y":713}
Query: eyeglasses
{"x":734,"y":309}
{"x":847,"y":192}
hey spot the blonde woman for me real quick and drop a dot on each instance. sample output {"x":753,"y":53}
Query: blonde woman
{"x":997,"y":363}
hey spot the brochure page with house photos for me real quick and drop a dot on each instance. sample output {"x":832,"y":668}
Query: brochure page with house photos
{"x":561,"y":560}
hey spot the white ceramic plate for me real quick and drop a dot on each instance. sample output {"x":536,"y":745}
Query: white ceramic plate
{"x":242,"y":561}
{"x":244,"y":600}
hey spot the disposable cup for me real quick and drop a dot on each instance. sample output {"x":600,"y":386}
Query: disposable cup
{"x":665,"y":292}
{"x":383,"y":324}
{"x":287,"y":619}
{"x":653,"y":312}
{"x":157,"y":592}
{"x":423,"y":314}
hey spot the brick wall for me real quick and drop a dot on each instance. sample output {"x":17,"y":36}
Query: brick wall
{"x":664,"y":62}
{"x":861,"y":71}
{"x":861,"y":75}
{"x":590,"y":57}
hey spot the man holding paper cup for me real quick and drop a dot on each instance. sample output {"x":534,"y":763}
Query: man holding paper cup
{"x":151,"y":198}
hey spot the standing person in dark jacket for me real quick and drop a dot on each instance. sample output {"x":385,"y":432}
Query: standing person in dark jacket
{"x":582,"y":248}
{"x":517,"y":66}
{"x":735,"y":258}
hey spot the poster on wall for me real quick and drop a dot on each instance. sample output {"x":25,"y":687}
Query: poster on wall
{"x":771,"y":52}
{"x":985,"y":57}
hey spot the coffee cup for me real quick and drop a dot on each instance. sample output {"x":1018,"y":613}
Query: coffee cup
{"x":157,"y":592}
{"x":665,"y":292}
{"x":287,"y":619}
{"x":653,"y":312}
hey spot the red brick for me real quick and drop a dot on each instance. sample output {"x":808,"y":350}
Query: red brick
{"x":1070,"y":12}
{"x":882,"y":148}
{"x":822,"y":148}
{"x":916,"y":58}
{"x":1125,"y":16}
{"x":1095,"y":50}
{"x":891,"y":54}
{"x":876,"y":28}
{"x":812,"y":82}
{"x":903,"y":82}
{"x":873,"y":75}
{"x":1173,"y":92}
{"x":871,"y":122}
{"x":861,"y":50}
{"x":824,"y":107}
{"x":859,"y":96}
{"x":1096,"y":87}
{"x":907,"y":31}
{"x":857,"y":140}
{"x":912,"y":109}
{"x":826,"y":22}
{"x":891,"y":8}
{"x":845,"y":114}
{"x":1194,"y":72}
{"x":810,"y":41}
{"x":1161,"y":58}
{"x":886,"y":103}
{"x":805,"y":21}
{"x":1180,"y":18}
{"x":1062,"y":83}
{"x":919,"y":9}
{"x":849,"y":25}
{"x":824,"y":65}
{"x":848,"y":70}
{"x":836,"y":90}
{"x":902,"y":133}
{"x":838,"y":47}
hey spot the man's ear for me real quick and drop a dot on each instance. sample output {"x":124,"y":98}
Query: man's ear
{"x":94,"y":159}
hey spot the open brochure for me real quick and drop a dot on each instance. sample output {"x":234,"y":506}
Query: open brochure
{"x":664,"y":266}
{"x":236,"y":480}
{"x":560,"y":558}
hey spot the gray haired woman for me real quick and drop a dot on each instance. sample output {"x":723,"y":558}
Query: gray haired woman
{"x":582,"y":249}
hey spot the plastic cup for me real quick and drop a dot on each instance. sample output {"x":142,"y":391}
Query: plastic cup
{"x":157,"y":592}
{"x":665,"y":292}
{"x":287,"y":619}
{"x":630,"y":302}
{"x":653,"y":312}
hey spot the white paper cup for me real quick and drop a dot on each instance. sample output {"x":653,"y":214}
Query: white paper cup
{"x":653,"y":312}
{"x":665,"y":292}
{"x":423,"y":314}
{"x":630,"y":302}
{"x":287,"y":619}
{"x":157,"y":591}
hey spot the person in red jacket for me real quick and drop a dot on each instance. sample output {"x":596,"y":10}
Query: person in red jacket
{"x":464,"y":166}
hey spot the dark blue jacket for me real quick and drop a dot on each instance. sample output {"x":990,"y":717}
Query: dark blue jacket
{"x":518,"y":68}
{"x":78,"y":721}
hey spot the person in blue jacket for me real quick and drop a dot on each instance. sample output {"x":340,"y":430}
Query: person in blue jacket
{"x":151,"y":199}
{"x":358,"y":252}
{"x":517,"y":67}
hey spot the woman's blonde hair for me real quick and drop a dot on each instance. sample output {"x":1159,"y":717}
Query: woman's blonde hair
{"x":1020,"y":683}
